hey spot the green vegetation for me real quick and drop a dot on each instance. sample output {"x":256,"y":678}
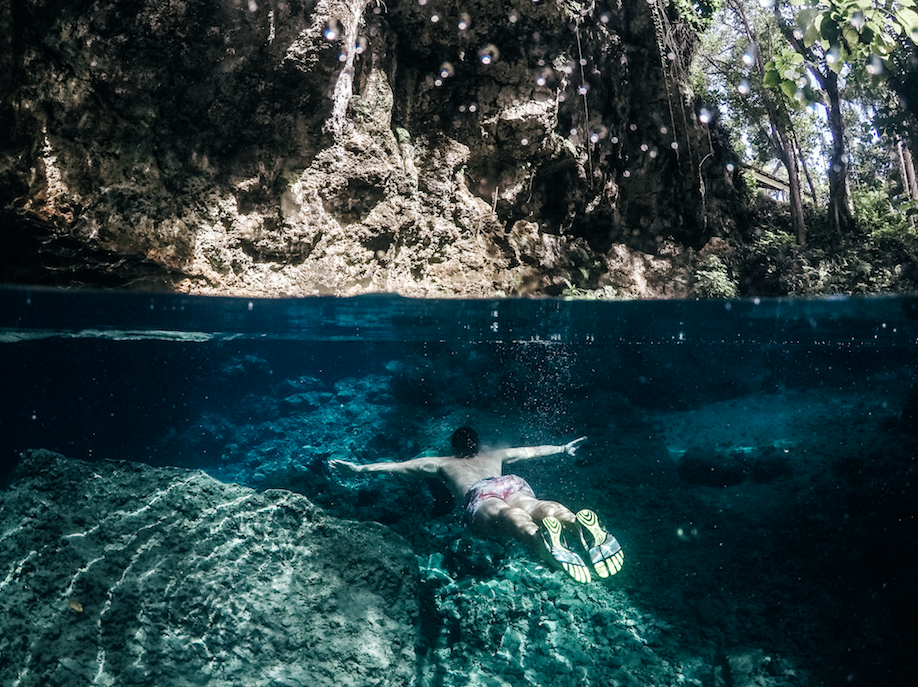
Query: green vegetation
{"x":811,"y":92}
{"x":713,"y":280}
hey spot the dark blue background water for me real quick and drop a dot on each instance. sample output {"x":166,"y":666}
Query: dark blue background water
{"x":104,"y":374}
{"x":810,"y":555}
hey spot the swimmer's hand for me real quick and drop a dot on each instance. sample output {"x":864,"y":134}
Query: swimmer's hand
{"x":570,"y":448}
{"x":345,"y":466}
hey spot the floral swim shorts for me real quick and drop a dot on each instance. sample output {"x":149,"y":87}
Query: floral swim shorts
{"x":494,"y":487}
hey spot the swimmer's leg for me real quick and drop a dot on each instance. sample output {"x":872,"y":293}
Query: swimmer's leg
{"x":498,"y":518}
{"x":495,"y":517}
{"x":553,"y":517}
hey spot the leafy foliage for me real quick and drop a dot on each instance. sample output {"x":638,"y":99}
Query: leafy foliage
{"x":713,"y":279}
{"x":837,"y":33}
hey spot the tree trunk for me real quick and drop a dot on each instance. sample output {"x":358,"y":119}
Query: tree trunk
{"x":782,"y":142}
{"x":841,"y":215}
{"x":907,"y":169}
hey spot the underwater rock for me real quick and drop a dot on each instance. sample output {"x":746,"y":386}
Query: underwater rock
{"x":119,"y":573}
{"x":770,"y":466}
{"x":706,"y":466}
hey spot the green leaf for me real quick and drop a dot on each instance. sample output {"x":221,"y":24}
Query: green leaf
{"x":807,"y":17}
{"x":828,"y":28}
{"x":851,"y":35}
{"x":789,"y":88}
{"x":812,"y":34}
{"x":908,"y":19}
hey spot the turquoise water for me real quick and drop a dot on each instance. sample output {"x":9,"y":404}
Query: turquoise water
{"x":752,"y":457}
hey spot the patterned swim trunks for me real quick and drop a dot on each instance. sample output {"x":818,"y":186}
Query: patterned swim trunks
{"x":494,"y":487}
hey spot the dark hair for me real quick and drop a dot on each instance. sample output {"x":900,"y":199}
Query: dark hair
{"x":464,"y":442}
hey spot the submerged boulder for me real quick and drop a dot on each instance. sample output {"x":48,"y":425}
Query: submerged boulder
{"x":125,"y":574}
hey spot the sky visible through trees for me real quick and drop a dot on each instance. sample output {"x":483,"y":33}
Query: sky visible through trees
{"x":807,"y":89}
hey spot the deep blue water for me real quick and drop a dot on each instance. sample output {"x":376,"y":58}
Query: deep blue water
{"x":99,"y":374}
{"x":808,"y":552}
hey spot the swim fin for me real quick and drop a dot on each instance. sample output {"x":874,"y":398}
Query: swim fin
{"x":604,"y":550}
{"x":570,"y":562}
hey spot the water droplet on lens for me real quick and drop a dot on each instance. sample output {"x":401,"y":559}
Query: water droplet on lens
{"x":744,"y":87}
{"x":488,"y":54}
{"x":332,"y":30}
{"x":446,"y":70}
{"x":858,"y":20}
{"x":874,"y":66}
{"x":626,"y":173}
{"x":465,"y":21}
{"x":704,"y":115}
{"x":434,"y":18}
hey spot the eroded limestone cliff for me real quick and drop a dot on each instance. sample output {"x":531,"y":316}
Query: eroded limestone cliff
{"x":291,"y":147}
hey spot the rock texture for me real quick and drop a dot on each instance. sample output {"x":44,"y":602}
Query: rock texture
{"x":345,"y":146}
{"x":119,"y":574}
{"x":115,"y":573}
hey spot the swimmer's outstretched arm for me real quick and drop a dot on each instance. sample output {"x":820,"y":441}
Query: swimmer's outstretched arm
{"x":417,"y":467}
{"x":515,"y":455}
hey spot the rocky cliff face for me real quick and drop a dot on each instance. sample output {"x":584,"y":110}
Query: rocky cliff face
{"x":426,"y":147}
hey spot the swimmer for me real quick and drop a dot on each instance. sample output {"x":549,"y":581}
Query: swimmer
{"x":505,"y":505}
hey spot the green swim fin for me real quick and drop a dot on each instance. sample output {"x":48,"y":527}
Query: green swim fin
{"x":570,"y":562}
{"x":604,"y":550}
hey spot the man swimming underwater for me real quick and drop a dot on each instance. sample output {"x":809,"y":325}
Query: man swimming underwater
{"x":498,"y":504}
